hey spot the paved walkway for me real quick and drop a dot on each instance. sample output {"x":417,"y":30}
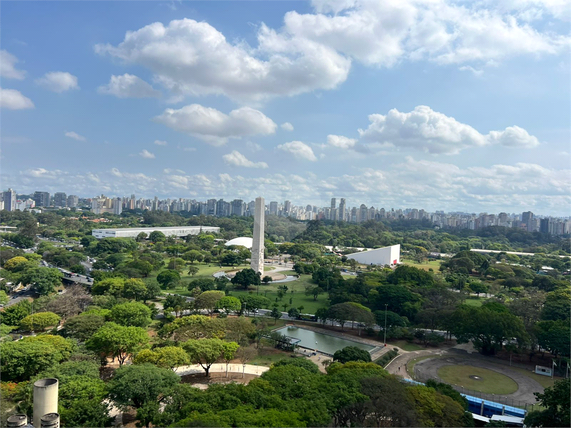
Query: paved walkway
{"x":221,"y":368}
{"x":398,"y":365}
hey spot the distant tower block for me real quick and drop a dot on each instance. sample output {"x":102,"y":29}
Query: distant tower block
{"x":257,"y":260}
{"x":45,"y":399}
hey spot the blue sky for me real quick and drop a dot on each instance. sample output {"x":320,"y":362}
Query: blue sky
{"x":431,"y":104}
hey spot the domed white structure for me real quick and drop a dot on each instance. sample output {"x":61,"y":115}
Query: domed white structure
{"x":243,"y":241}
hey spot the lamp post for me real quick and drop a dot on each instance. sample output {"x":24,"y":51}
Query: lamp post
{"x":385,"y":341}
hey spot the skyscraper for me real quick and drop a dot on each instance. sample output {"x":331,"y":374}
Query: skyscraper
{"x":342,"y":210}
{"x":9,"y":198}
{"x":273,"y":208}
{"x":287,"y":208}
{"x":60,"y":200}
{"x":72,"y":201}
{"x":42,"y":199}
{"x":257,"y":259}
{"x":333,"y":203}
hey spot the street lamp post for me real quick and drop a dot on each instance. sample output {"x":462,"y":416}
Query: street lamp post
{"x":385,"y":341}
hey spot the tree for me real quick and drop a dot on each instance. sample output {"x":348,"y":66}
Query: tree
{"x":486,"y":327}
{"x":175,"y":303}
{"x":43,"y":280}
{"x":12,"y":315}
{"x":229,"y":304}
{"x":117,"y":341}
{"x":131,"y":314}
{"x":193,"y":256}
{"x":141,"y":237}
{"x":192,"y":270}
{"x":251,"y":303}
{"x":157,"y":236}
{"x":245,"y":278}
{"x":168,"y":357}
{"x":82,"y":327}
{"x":134,"y":289}
{"x":275,"y":314}
{"x":350,"y":311}
{"x":204,"y":352}
{"x":229,"y":350}
{"x":39,"y":321}
{"x":555,"y":399}
{"x":351,"y":353}
{"x":24,"y":359}
{"x":168,"y":279}
{"x":110,"y":286}
{"x":293,"y":313}
{"x":208,"y":300}
{"x":314,"y":291}
{"x":267,"y":279}
{"x":479,"y":287}
{"x":143,"y":266}
{"x":304,"y":363}
{"x":15,"y":263}
{"x":142,"y":385}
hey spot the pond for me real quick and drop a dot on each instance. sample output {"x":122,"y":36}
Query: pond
{"x":324,"y":343}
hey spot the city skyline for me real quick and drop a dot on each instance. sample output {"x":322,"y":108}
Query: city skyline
{"x":291,"y":100}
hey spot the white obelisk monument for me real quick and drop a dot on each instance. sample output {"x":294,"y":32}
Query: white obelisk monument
{"x":257,"y":260}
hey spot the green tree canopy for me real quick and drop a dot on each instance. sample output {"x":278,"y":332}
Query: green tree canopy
{"x":117,"y":341}
{"x":39,"y":321}
{"x":43,"y":280}
{"x":131,"y":314}
{"x":352,"y":353}
{"x":245,"y":278}
{"x":204,"y":352}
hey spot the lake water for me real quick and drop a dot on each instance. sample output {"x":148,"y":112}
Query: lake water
{"x":322,"y":342}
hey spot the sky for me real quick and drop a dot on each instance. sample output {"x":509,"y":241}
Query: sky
{"x":433,"y":104}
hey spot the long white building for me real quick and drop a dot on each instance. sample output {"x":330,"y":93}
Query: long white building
{"x":133,"y":232}
{"x":381,"y":256}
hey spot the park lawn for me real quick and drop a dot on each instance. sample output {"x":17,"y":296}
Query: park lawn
{"x":298,"y":298}
{"x":407,"y":346}
{"x":426,"y":265}
{"x":268,"y":356}
{"x":490,"y":382}
{"x":474,"y":302}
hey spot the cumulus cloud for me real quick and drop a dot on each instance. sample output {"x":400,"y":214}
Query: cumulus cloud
{"x":436,"y":133}
{"x":215,"y":127}
{"x":146,"y":154}
{"x":287,"y":126}
{"x":8,"y":66}
{"x":341,"y":142}
{"x":193,"y":58}
{"x":298,"y":149}
{"x":58,"y":81}
{"x":128,"y":86}
{"x":12,"y":99}
{"x":75,"y":136}
{"x":160,"y":143}
{"x":238,"y":159}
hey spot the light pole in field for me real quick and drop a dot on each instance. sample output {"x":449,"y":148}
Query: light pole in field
{"x":385,"y":341}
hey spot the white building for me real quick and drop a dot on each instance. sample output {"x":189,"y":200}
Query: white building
{"x":242,"y":241}
{"x":380,"y":256}
{"x":133,"y":232}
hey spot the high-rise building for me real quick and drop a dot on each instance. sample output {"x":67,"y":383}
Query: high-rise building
{"x":211,"y":206}
{"x":257,"y":259}
{"x":72,"y":201}
{"x":527,"y":219}
{"x":333,"y":203}
{"x":42,"y":199}
{"x":287,"y":208}
{"x":60,"y":200}
{"x":117,"y":206}
{"x":273,"y":208}
{"x":9,"y":199}
{"x":238,"y":207}
{"x":342,"y":210}
{"x":132,"y":203}
{"x":544,"y":225}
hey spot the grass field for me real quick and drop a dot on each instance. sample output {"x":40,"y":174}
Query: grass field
{"x":429,"y":264}
{"x":403,"y":344}
{"x":474,"y":301}
{"x":298,"y":296}
{"x":490,"y":382}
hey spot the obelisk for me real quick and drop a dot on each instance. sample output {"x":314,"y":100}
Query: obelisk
{"x":257,"y":259}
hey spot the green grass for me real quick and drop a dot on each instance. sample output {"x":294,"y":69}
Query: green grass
{"x":268,"y":356}
{"x":473,"y":301}
{"x":429,"y":264}
{"x":490,"y":382}
{"x":407,"y":346}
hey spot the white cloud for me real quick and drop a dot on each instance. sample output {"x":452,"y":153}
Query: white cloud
{"x":8,"y":66}
{"x":254,"y":147}
{"x":75,"y":136}
{"x":146,"y":154}
{"x":193,"y":58}
{"x":471,"y":69}
{"x":287,"y":126}
{"x":238,"y":159}
{"x":436,"y":133}
{"x":58,"y":81}
{"x":14,"y":100}
{"x":215,"y":127}
{"x":513,"y":136}
{"x":341,"y":142}
{"x":128,"y":86}
{"x":160,"y":143}
{"x":299,"y":150}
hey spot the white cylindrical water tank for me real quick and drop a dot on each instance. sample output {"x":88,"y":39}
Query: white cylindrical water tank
{"x":17,"y":421}
{"x":45,"y":399}
{"x":51,"y":420}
